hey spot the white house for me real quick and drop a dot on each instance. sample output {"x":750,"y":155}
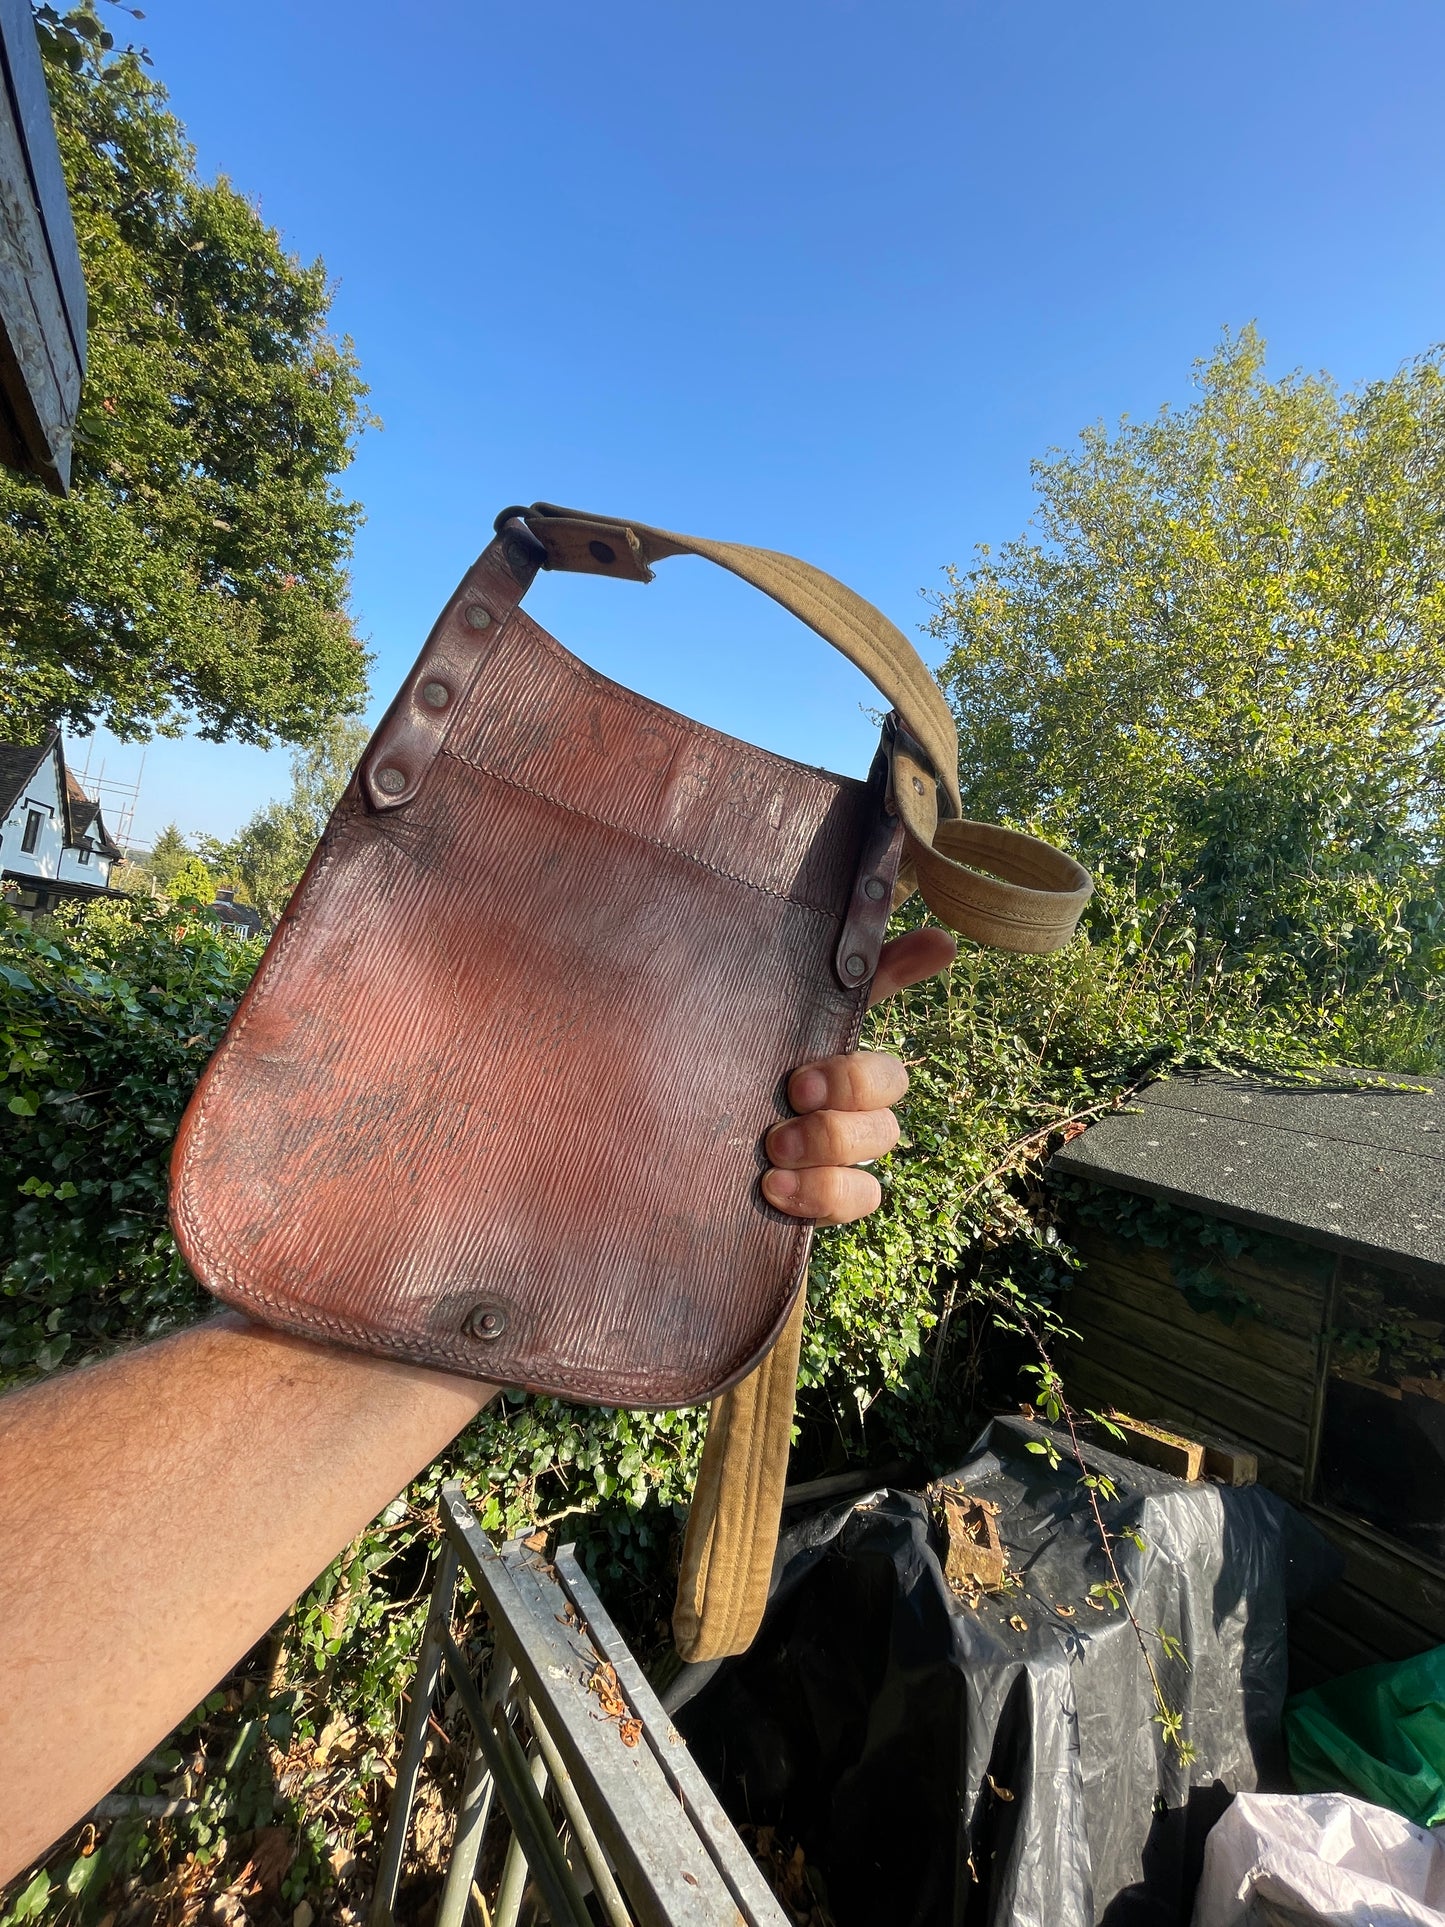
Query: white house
{"x":53,"y":840}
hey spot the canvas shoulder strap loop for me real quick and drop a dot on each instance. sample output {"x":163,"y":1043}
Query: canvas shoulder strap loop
{"x":995,"y":886}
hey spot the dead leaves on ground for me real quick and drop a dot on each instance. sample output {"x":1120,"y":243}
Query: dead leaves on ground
{"x":604,"y":1684}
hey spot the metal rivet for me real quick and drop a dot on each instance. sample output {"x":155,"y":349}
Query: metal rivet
{"x":485,"y":1321}
{"x":918,"y":784}
{"x":390,"y":781}
{"x":435,"y":695}
{"x":855,"y":965}
{"x":519,"y":556}
{"x":874,"y":889}
{"x":600,"y":552}
{"x":478,"y":617}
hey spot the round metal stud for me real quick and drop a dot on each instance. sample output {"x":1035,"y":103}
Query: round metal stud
{"x":390,"y":781}
{"x":874,"y":889}
{"x":485,"y":1321}
{"x":855,"y":965}
{"x":918,"y":784}
{"x":602,"y":552}
{"x":478,"y":617}
{"x":435,"y":694}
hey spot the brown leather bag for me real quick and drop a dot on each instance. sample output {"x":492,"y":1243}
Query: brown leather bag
{"x":496,"y":1098}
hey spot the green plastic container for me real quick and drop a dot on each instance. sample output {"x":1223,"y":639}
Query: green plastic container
{"x":1379,"y":1733}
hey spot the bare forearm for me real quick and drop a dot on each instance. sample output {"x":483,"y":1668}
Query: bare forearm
{"x":157,"y":1514}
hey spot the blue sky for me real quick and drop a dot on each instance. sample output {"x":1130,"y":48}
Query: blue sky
{"x":812,"y":274}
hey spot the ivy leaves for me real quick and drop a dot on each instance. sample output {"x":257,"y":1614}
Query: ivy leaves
{"x":105,"y":1023}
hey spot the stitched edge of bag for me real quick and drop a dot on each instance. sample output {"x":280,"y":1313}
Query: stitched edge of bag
{"x":306,"y":1322}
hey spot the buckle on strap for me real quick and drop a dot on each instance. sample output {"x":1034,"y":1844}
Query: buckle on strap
{"x":580,"y":546}
{"x":910,"y":774}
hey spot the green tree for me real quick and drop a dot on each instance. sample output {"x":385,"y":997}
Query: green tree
{"x":269,"y":853}
{"x":193,"y":880}
{"x":197,"y":571}
{"x":1222,"y":667}
{"x":169,"y":851}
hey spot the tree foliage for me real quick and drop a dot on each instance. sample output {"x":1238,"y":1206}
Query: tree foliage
{"x":268,"y":854}
{"x":74,"y":35}
{"x":1223,"y":662}
{"x":169,"y":851}
{"x":198,"y":568}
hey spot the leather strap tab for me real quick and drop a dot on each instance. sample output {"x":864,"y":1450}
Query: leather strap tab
{"x":413,"y":730}
{"x":1025,"y":895}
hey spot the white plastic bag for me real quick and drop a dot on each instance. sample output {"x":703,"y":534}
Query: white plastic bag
{"x":1319,"y":1857}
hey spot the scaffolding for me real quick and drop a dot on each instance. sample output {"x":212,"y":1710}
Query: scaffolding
{"x":117,"y":799}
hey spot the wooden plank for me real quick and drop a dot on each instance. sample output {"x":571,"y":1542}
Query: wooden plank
{"x":1156,"y":1445}
{"x":1230,"y":1464}
{"x":1102,"y":1319}
{"x":1280,"y":1266}
{"x":32,"y":329}
{"x":1391,"y":1577}
{"x":1294,"y":1301}
{"x":1305,"y":1670}
{"x":975,"y":1556}
{"x":1287,"y":1352}
{"x":1092,"y":1383}
{"x":661,"y":1861}
{"x":1331,"y":1649}
{"x":693,"y":1793}
{"x":30,"y":102}
{"x":1380,"y":1631}
{"x":41,"y":337}
{"x":1163,"y":1393}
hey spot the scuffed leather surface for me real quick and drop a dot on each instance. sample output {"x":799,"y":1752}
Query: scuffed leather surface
{"x":515,"y":1046}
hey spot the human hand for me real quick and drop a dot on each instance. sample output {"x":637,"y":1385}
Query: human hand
{"x":844,"y":1107}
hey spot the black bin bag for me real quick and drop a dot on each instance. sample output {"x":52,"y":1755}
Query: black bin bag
{"x":1001,"y":1765}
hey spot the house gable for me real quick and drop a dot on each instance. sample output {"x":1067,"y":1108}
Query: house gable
{"x":51,"y":832}
{"x":35,"y":826}
{"x":89,"y":848}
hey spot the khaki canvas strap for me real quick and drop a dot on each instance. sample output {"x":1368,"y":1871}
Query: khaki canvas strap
{"x":993,"y":885}
{"x":732,"y":1526}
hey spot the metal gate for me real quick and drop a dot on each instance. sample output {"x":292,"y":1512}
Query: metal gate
{"x":564,"y":1712}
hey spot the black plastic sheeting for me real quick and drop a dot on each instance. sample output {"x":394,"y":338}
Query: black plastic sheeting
{"x":951,"y":1766}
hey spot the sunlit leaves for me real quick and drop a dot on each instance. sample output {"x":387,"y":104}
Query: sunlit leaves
{"x":198,"y":567}
{"x":1219,"y":673}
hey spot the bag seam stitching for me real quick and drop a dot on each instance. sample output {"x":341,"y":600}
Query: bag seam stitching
{"x":640,"y":836}
{"x":427,"y":1350}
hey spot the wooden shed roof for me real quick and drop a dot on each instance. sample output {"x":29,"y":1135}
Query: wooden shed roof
{"x":1359,"y":1170}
